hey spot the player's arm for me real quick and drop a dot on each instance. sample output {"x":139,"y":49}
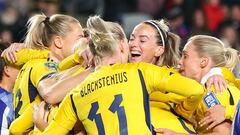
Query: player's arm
{"x":71,"y":61}
{"x":217,"y":114}
{"x":40,"y":115}
{"x":221,"y":129}
{"x":229,"y":76}
{"x":24,"y":122}
{"x":17,"y":55}
{"x":82,"y":56}
{"x":25,"y":55}
{"x":167,"y":81}
{"x":53,"y":90}
{"x":64,"y":120}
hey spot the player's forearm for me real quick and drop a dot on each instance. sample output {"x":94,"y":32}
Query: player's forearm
{"x":56,"y":92}
{"x":187,"y":87}
{"x":24,"y":55}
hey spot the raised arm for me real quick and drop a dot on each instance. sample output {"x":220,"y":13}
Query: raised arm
{"x":17,"y":55}
{"x":53,"y":90}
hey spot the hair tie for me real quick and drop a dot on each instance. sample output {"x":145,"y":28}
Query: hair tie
{"x":46,"y":20}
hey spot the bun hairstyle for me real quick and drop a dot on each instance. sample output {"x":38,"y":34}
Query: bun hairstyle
{"x":214,"y":48}
{"x":105,"y":36}
{"x":168,"y":40}
{"x":41,"y":29}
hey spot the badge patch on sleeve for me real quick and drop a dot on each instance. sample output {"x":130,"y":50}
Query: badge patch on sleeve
{"x":51,"y":65}
{"x":210,"y":100}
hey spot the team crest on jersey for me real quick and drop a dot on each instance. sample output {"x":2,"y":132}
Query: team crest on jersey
{"x":51,"y":65}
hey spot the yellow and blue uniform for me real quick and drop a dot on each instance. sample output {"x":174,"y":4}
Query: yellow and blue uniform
{"x":231,"y":79}
{"x":71,"y":61}
{"x":24,"y":55}
{"x":26,"y":93}
{"x":162,"y":110}
{"x":228,"y":97}
{"x":26,"y":96}
{"x":114,"y":99}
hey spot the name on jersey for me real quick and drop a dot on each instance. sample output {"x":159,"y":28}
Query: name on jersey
{"x":104,"y":82}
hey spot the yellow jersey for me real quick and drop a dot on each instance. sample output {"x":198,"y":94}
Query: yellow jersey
{"x":24,"y":55}
{"x":25,"y":89}
{"x":115,"y":99}
{"x":162,"y":110}
{"x":227,"y":98}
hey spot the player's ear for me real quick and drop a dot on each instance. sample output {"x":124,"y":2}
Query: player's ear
{"x":204,"y":62}
{"x":58,"y":42}
{"x":159,"y":51}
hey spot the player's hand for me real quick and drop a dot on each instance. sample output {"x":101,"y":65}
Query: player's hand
{"x":10,"y":52}
{"x":87,"y":56}
{"x":214,"y":116}
{"x":40,"y":115}
{"x":219,"y":83}
{"x":165,"y":131}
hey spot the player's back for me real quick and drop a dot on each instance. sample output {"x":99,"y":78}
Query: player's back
{"x":114,"y":100}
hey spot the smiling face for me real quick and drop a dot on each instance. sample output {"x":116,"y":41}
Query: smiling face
{"x":143,"y":44}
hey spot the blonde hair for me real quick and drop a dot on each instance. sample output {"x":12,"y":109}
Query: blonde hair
{"x":168,"y":40}
{"x":214,"y":48}
{"x":105,"y":36}
{"x":42,"y":28}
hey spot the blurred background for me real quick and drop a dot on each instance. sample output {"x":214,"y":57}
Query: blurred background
{"x":220,"y":18}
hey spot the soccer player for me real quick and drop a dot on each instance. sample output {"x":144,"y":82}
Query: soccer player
{"x":8,"y":75}
{"x":58,"y":33}
{"x":200,"y":54}
{"x":152,"y":42}
{"x":114,"y":98}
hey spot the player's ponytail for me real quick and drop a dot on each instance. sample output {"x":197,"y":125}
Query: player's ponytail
{"x":214,"y":48}
{"x":41,"y":29}
{"x":105,"y":36}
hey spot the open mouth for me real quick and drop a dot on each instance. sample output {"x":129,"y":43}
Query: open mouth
{"x":135,"y":54}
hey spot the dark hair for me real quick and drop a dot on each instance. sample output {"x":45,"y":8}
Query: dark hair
{"x":3,"y":46}
{"x":2,"y":65}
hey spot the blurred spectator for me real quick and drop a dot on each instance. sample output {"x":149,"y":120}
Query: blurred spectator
{"x":82,"y":9}
{"x":233,"y":19}
{"x":214,"y":12}
{"x":113,"y":10}
{"x":199,"y":24}
{"x":6,"y":36}
{"x":48,"y":7}
{"x":230,"y":37}
{"x":151,"y":7}
{"x":170,"y":4}
{"x":22,"y":6}
{"x":12,"y":25}
{"x":177,"y":26}
{"x":236,"y":17}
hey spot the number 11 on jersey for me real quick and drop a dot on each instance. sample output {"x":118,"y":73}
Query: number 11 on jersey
{"x":114,"y":108}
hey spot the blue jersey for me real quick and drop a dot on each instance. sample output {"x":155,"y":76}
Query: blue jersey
{"x":6,"y":110}
{"x":236,"y":121}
